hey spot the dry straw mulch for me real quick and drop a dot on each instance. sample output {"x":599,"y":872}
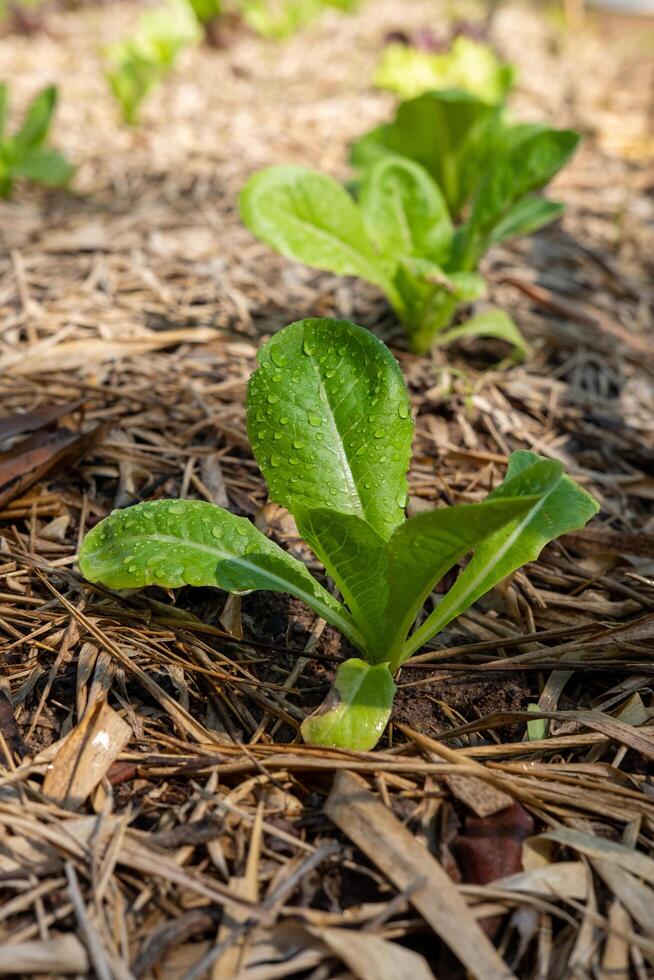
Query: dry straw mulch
{"x":158,"y":814}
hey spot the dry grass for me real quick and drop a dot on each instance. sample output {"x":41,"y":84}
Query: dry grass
{"x":159,"y":815}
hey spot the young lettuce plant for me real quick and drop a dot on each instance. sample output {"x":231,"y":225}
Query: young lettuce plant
{"x":26,"y":155}
{"x":400,"y":233}
{"x":330,"y":424}
{"x":398,"y":236}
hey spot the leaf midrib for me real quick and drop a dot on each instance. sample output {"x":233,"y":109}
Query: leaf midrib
{"x":341,"y":453}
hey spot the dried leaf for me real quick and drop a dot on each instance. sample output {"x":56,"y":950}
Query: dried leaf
{"x":13,"y":425}
{"x":34,"y":458}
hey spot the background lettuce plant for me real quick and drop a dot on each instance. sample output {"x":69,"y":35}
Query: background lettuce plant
{"x":279,"y":19}
{"x":469,"y":65}
{"x":330,"y":424}
{"x":136,"y":65}
{"x":443,"y":151}
{"x":26,"y":154}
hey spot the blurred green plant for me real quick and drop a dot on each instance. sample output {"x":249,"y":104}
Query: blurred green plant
{"x":279,"y":19}
{"x":136,"y":65}
{"x":206,"y":10}
{"x":470,"y":66}
{"x":26,"y":154}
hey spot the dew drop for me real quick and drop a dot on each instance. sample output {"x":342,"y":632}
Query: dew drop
{"x":277,"y":355}
{"x":284,"y":420}
{"x":278,"y":435}
{"x":314,"y":419}
{"x":276,"y":460}
{"x":308,"y":346}
{"x":403,"y":411}
{"x":217,"y":531}
{"x":298,"y":443}
{"x":378,"y":434}
{"x":400,"y":500}
{"x":272,"y":398}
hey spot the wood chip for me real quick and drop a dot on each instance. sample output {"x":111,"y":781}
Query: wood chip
{"x":85,"y":756}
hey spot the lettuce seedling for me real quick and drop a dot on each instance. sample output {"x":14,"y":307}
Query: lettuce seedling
{"x":26,"y":154}
{"x":470,"y":66}
{"x":136,"y":65}
{"x":330,"y":423}
{"x":444,"y":149}
{"x":398,"y":236}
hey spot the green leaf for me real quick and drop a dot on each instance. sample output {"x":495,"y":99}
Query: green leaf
{"x":45,"y":166}
{"x":529,"y":163}
{"x":525,"y":217}
{"x":565,"y":508}
{"x":330,"y":422}
{"x":4,"y":106}
{"x":37,"y":121}
{"x":356,"y":711}
{"x":172,"y":543}
{"x":309,"y":217}
{"x":449,"y":133}
{"x":426,"y":547}
{"x":356,"y":557}
{"x":536,"y":729}
{"x":430,"y":297}
{"x":492,"y":323}
{"x":404,"y":211}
